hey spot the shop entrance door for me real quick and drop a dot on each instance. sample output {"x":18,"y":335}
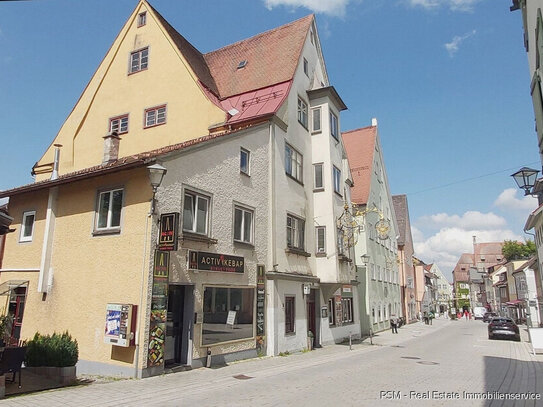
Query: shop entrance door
{"x":179,"y":325}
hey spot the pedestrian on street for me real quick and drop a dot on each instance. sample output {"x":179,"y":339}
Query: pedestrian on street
{"x":426,"y":317}
{"x":394,"y":323}
{"x":431,"y":317}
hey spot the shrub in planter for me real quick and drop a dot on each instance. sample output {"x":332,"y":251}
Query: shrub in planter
{"x":57,"y":350}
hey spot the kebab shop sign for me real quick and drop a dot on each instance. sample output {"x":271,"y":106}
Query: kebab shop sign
{"x":204,"y":261}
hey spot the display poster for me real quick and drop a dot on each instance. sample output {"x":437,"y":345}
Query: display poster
{"x":113,"y":322}
{"x":167,"y":237}
{"x":260,"y":306}
{"x":231,"y":318}
{"x":159,"y":308}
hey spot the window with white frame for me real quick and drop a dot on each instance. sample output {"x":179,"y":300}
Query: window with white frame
{"x":118,"y":124}
{"x":196,"y":213}
{"x":293,"y":163}
{"x":302,"y":112}
{"x":331,"y":312}
{"x":295,"y":232}
{"x":336,"y":172}
{"x":306,"y":67}
{"x":316,"y":120}
{"x":347,"y":306}
{"x":142,"y":19}
{"x":334,"y":126}
{"x":109,"y":208}
{"x":318,"y":179}
{"x":244,"y":160}
{"x":27,"y":226}
{"x":139,"y":60}
{"x":155,"y":116}
{"x":320,"y":232}
{"x":243,"y":225}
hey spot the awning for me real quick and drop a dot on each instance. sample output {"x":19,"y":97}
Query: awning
{"x":7,"y":286}
{"x":514,"y":302}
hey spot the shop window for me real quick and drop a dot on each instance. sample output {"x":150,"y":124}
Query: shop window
{"x":331,"y":312}
{"x":347,"y":305}
{"x":196,"y":213}
{"x":243,"y":225}
{"x":109,"y":210}
{"x":27,"y":226}
{"x":295,"y":232}
{"x":290,"y":315}
{"x":139,"y":60}
{"x":219,"y":302}
{"x":293,"y":163}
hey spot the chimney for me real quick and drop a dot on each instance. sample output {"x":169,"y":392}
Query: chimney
{"x":374,"y":121}
{"x":54,"y":174}
{"x":111,"y":148}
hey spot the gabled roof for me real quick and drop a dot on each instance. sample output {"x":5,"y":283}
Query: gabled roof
{"x":492,"y":248}
{"x":360,"y":148}
{"x":272,"y":57}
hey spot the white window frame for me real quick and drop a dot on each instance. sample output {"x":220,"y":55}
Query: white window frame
{"x":109,"y":226}
{"x":159,"y":116}
{"x":336,"y":176}
{"x":142,"y":19}
{"x":22,"y":237}
{"x":244,"y":211}
{"x":247,"y":153}
{"x":320,"y":167}
{"x":315,"y":129}
{"x":196,"y":198}
{"x":334,"y":126}
{"x":116,"y":124}
{"x":294,"y":163}
{"x":306,"y":67}
{"x":320,"y":230}
{"x":296,"y":231}
{"x":348,"y":310}
{"x":139,"y":60}
{"x":302,"y":112}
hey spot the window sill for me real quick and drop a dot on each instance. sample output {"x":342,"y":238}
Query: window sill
{"x":244,"y":244}
{"x":338,"y":194}
{"x":298,"y":252}
{"x":318,"y":189}
{"x":294,"y":179}
{"x":154,"y":125}
{"x":138,"y":71}
{"x":198,"y":238}
{"x":106,"y":232}
{"x":320,"y":254}
{"x":244,"y":173}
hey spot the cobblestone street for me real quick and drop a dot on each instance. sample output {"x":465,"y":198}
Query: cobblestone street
{"x":447,"y":358}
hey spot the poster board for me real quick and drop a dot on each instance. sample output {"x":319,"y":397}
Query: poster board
{"x":536,"y":337}
{"x":231,"y":318}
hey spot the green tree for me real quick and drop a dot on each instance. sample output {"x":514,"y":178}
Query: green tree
{"x":517,"y":251}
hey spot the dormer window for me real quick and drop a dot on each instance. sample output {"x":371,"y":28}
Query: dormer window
{"x":242,"y":64}
{"x":142,"y":19}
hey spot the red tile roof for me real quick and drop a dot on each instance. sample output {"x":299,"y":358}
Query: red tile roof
{"x":272,"y":57}
{"x":360,"y":147}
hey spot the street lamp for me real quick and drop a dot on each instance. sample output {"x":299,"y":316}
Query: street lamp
{"x":156,"y":174}
{"x":365,"y":259}
{"x":525,"y":179}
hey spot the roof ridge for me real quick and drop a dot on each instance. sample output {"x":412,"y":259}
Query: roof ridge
{"x":260,"y":34}
{"x":361,"y":128}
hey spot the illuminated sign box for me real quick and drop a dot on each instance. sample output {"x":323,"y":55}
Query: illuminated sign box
{"x":204,"y":261}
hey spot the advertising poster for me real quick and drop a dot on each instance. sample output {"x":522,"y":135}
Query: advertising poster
{"x":159,"y":309}
{"x":113,"y":322}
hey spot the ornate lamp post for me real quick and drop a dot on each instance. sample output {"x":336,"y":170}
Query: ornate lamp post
{"x":156,"y":174}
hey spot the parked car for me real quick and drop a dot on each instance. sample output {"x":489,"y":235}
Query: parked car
{"x":488,"y":316}
{"x":479,"y":312}
{"x":503,"y":327}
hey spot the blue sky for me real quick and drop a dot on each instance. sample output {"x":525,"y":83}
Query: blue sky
{"x":447,"y":80}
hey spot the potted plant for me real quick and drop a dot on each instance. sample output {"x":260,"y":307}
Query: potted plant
{"x":54,"y":356}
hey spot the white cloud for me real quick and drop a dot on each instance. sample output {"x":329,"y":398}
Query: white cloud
{"x":508,"y":200}
{"x":453,"y":5}
{"x":469,"y":220}
{"x":332,"y":7}
{"x":453,"y":46}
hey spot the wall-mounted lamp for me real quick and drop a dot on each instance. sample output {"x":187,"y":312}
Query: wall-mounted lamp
{"x":156,"y":174}
{"x":365,"y":259}
{"x":525,"y":179}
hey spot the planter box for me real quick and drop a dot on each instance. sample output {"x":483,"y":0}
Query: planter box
{"x":62,"y":375}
